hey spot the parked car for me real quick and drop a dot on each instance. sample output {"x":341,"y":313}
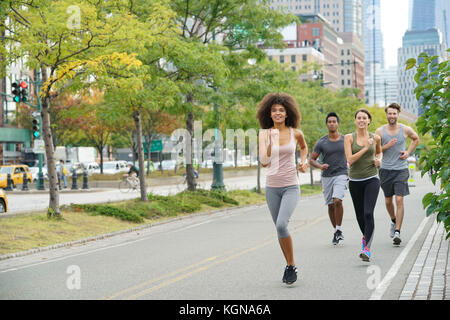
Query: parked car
{"x":16,"y":171}
{"x":112,"y":167}
{"x":79,"y":168}
{"x":3,"y":202}
{"x":92,"y":167}
{"x":168,"y":164}
{"x":35,"y":172}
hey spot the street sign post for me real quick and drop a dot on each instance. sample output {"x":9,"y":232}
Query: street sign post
{"x":156,"y":146}
{"x":39,"y":146}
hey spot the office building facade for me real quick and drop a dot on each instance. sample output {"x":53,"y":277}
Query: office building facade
{"x":414,"y":43}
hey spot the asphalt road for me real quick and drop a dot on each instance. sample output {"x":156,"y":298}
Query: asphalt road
{"x":232,"y":254}
{"x":19,"y":202}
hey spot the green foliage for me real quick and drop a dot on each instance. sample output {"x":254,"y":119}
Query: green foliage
{"x":433,"y":93}
{"x":159,"y":206}
{"x":109,"y":210}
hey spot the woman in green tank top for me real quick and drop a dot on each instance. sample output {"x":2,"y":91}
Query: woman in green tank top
{"x":363,"y":153}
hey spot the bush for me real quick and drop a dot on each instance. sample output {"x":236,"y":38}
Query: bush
{"x":109,"y":210}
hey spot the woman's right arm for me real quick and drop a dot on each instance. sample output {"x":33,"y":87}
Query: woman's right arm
{"x":265,"y":148}
{"x":352,"y":158}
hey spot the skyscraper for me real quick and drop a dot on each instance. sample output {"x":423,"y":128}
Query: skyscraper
{"x":414,"y":43}
{"x":422,"y":15}
{"x":443,"y":19}
{"x":374,"y":51}
{"x":343,"y":15}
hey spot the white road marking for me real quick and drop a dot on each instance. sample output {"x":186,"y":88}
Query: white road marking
{"x":385,"y":283}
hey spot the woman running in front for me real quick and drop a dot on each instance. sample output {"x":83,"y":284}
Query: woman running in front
{"x":363,"y":153}
{"x":279,"y":117}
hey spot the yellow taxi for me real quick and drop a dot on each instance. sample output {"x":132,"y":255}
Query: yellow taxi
{"x":3,"y":202}
{"x":16,"y":171}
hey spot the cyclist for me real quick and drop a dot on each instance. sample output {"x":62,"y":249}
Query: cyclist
{"x":132,"y":174}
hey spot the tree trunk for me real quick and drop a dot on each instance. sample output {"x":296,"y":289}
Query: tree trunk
{"x":190,"y":177}
{"x":53,"y":207}
{"x":137,"y":122}
{"x":101,"y":158}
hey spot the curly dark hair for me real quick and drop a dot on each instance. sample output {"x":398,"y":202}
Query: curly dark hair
{"x":293,"y":113}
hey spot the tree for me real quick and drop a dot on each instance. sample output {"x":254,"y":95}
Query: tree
{"x":238,"y":25}
{"x":433,"y":95}
{"x":71,"y":46}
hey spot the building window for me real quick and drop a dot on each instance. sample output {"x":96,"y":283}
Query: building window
{"x":343,"y":82}
{"x":348,"y":52}
{"x":293,"y":58}
{"x":342,"y":72}
{"x":281,"y":59}
{"x":316,"y":32}
{"x":349,"y":82}
{"x":304,"y":57}
{"x":342,"y":52}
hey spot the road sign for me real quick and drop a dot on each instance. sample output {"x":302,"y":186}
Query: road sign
{"x":156,"y":146}
{"x":39,"y":146}
{"x":35,"y":114}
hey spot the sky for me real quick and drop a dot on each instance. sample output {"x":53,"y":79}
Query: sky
{"x":394,"y":23}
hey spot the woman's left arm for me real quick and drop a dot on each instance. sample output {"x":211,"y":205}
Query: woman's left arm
{"x":303,"y":164}
{"x":378,"y":150}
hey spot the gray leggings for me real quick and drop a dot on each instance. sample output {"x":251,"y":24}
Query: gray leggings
{"x":282,"y":202}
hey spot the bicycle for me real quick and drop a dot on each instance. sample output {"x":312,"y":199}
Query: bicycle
{"x":182,"y":184}
{"x":128,"y":184}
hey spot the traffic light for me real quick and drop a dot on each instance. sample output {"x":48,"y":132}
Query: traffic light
{"x":36,"y":128}
{"x":16,"y":91}
{"x":23,"y":91}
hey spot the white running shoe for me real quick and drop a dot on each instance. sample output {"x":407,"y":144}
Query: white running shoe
{"x":392,"y":230}
{"x":397,"y":239}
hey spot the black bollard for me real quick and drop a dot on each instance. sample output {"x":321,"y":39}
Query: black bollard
{"x":25,"y":182}
{"x":74,"y":180}
{"x":85,"y":180}
{"x":41,"y":185}
{"x":9,"y":183}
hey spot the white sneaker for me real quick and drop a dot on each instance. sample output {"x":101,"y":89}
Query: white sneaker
{"x":392,"y":230}
{"x":397,"y":239}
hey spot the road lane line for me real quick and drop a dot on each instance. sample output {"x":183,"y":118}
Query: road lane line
{"x":144,"y":238}
{"x":385,"y":283}
{"x":203,"y":268}
{"x":295,"y":229}
{"x":159,"y":278}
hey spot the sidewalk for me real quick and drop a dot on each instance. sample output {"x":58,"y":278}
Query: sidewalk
{"x":430,"y":275}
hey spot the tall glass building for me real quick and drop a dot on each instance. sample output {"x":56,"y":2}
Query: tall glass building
{"x":443,"y":19}
{"x":374,"y":50}
{"x":414,"y":43}
{"x":422,"y":15}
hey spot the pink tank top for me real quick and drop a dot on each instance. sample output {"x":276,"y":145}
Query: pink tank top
{"x":282,"y":171}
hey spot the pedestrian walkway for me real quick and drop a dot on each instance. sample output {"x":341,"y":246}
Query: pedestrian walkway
{"x":430,"y":276}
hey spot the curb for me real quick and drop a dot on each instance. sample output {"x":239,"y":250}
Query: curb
{"x":116,"y":233}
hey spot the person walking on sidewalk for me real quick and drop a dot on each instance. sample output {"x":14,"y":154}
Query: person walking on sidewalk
{"x":334,"y":172}
{"x":363,"y":153}
{"x":62,"y":171}
{"x":279,"y":117}
{"x":394,"y":171}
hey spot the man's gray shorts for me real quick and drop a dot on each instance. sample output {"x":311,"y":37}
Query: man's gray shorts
{"x":394,"y":182}
{"x":334,"y":187}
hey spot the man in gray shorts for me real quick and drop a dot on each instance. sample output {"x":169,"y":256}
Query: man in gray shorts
{"x":394,"y":172}
{"x":334,"y":172}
